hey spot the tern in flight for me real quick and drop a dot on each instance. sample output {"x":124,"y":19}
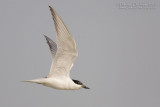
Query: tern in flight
{"x":64,"y":52}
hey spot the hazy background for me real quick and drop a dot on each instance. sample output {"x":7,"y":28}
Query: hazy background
{"x":118,"y":43}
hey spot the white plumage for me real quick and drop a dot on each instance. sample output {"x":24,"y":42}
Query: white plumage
{"x":63,"y":54}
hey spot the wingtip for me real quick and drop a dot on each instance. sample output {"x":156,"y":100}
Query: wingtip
{"x":45,"y":36}
{"x":51,"y":9}
{"x":49,"y":6}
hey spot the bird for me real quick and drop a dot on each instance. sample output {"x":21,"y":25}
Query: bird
{"x":64,"y":53}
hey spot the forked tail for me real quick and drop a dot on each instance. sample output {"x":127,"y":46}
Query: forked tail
{"x":38,"y":81}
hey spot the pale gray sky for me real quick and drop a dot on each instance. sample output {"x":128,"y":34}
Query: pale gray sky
{"x":118,"y":44}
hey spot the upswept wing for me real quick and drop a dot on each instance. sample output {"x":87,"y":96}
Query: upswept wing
{"x":67,"y":51}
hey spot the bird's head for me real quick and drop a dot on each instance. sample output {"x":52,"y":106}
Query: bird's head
{"x":80,"y":83}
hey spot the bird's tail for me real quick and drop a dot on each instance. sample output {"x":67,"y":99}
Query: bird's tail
{"x":38,"y":81}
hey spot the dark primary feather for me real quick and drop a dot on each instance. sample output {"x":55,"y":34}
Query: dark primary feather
{"x":52,"y":46}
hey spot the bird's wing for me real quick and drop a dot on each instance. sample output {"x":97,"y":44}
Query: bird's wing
{"x":52,"y":45}
{"x":67,"y":51}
